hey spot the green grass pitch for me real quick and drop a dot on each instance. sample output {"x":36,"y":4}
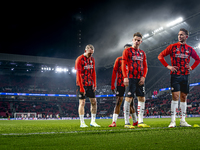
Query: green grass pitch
{"x":66,"y":134}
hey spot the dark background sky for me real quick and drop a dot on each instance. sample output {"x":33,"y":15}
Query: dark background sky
{"x":52,"y":29}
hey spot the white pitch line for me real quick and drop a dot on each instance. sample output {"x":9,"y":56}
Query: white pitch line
{"x":89,"y":131}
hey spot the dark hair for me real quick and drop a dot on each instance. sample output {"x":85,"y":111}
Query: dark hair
{"x":137,"y":34}
{"x":184,"y":30}
{"x":127,"y":45}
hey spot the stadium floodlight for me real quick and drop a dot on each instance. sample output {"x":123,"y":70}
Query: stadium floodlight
{"x":199,"y":45}
{"x":42,"y":68}
{"x":49,"y":68}
{"x":146,"y":35}
{"x":64,"y":70}
{"x":157,"y":30}
{"x":58,"y":69}
{"x":180,"y":19}
{"x":73,"y":70}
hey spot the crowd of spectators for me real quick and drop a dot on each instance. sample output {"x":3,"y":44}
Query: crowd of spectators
{"x":68,"y":107}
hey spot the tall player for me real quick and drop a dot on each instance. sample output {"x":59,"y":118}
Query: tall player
{"x":135,"y":59}
{"x":86,"y":84}
{"x":180,"y":54}
{"x":120,"y":92}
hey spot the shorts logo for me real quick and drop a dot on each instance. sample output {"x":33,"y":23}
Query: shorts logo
{"x":172,"y":88}
{"x":129,"y":93}
{"x":117,"y":92}
{"x":143,"y":89}
{"x":80,"y":95}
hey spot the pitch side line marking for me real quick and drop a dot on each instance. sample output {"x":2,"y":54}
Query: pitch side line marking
{"x":89,"y":131}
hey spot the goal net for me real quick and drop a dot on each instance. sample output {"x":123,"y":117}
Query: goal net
{"x":25,"y":115}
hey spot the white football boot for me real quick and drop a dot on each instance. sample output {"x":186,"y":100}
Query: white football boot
{"x":83,"y":125}
{"x":94,"y":124}
{"x":184,"y":124}
{"x":172,"y":124}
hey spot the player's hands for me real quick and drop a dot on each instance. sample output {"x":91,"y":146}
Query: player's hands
{"x":189,"y":67}
{"x":114,"y":91}
{"x":83,"y":93}
{"x":126,"y":81}
{"x":142,"y":80}
{"x":172,"y":68}
{"x":94,"y":88}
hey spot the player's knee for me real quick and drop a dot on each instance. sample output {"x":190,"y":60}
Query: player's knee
{"x":183,"y":97}
{"x":82,"y":103}
{"x":175,"y":96}
{"x":119,"y":101}
{"x":94,"y":102}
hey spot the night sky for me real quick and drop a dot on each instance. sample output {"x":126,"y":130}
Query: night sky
{"x":53,"y":29}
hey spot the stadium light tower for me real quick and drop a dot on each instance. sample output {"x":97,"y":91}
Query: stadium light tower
{"x":146,"y":35}
{"x":180,"y":19}
{"x":157,"y":30}
{"x":73,"y":70}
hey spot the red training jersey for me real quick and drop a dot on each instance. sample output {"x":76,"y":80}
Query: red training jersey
{"x":117,"y":69}
{"x":136,"y":61}
{"x":180,"y":57}
{"x":86,"y":74}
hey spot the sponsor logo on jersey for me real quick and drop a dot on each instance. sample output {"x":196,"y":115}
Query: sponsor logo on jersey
{"x":181,"y":55}
{"x":88,"y":67}
{"x":137,"y":58}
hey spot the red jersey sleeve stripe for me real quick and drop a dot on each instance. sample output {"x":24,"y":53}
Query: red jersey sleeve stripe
{"x":124,"y":63}
{"x":196,"y":58}
{"x":79,"y":78}
{"x":145,"y":66}
{"x":114,"y":74}
{"x":164,"y":53}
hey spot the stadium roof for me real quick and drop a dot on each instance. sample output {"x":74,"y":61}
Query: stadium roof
{"x":160,"y":38}
{"x":37,"y":59}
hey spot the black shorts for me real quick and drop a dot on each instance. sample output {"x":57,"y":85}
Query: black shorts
{"x":134,"y":87}
{"x":88,"y":90}
{"x":180,"y":83}
{"x":120,"y":91}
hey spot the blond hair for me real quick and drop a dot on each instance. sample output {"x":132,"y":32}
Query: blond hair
{"x":89,"y":46}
